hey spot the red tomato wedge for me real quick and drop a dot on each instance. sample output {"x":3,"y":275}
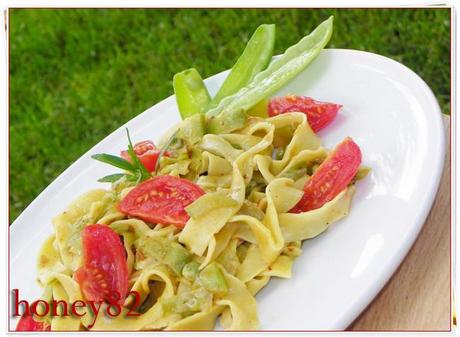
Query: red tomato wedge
{"x":331,"y":177}
{"x":28,"y":323}
{"x":319,"y":114}
{"x":146,"y":152}
{"x":161,"y":199}
{"x":104,"y":274}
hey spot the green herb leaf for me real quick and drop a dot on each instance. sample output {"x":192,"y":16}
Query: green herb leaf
{"x":111,"y":178}
{"x":114,"y":161}
{"x":144,"y":173}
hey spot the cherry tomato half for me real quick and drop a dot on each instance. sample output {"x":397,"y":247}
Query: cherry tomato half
{"x":104,"y":274}
{"x":331,"y":177}
{"x":28,"y":323}
{"x":319,"y":114}
{"x":161,"y":199}
{"x":146,"y":152}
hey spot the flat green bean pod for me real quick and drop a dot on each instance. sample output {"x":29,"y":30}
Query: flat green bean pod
{"x":280,"y":71}
{"x":255,"y":58}
{"x":191,"y":94}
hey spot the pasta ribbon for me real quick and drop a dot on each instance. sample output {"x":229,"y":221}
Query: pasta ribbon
{"x":252,"y":177}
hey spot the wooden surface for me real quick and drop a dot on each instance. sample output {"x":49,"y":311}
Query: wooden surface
{"x":417,"y":297}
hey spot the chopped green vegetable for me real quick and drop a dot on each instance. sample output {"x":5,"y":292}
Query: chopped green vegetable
{"x":227,"y":123}
{"x":161,"y":250}
{"x":151,"y":248}
{"x":191,"y":94}
{"x":190,"y":270}
{"x":254,"y":59}
{"x":280,"y":71}
{"x":278,"y":153}
{"x":213,"y":280}
{"x":114,"y":161}
{"x":187,"y":302}
{"x":176,"y":257}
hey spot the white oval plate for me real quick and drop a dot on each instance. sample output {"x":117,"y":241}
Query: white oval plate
{"x":393,"y":116}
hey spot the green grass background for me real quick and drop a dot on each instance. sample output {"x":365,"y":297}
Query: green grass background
{"x":76,"y":75}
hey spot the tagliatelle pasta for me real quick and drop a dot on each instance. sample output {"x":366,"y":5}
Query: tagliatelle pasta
{"x":190,"y":232}
{"x":241,"y":224}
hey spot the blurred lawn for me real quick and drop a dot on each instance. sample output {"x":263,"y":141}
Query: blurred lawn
{"x":76,"y":75}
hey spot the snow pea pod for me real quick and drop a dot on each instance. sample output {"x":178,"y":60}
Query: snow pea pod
{"x":254,"y":59}
{"x":191,"y":94}
{"x":280,"y":71}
